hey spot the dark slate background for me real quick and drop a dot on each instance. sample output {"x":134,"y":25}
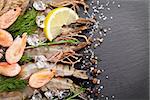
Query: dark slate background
{"x":124,"y":52}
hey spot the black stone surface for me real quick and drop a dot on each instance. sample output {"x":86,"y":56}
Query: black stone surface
{"x":124,"y":52}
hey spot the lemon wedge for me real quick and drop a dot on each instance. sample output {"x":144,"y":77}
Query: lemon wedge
{"x":56,"y":19}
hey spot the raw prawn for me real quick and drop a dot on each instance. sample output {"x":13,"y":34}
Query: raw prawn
{"x":27,"y":70}
{"x":75,"y":29}
{"x":5,"y":38}
{"x":17,"y":95}
{"x":61,"y":70}
{"x":6,"y":5}
{"x":57,"y":53}
{"x":41,"y":78}
{"x":15,"y":51}
{"x":74,"y":3}
{"x":61,"y":53}
{"x":66,"y":70}
{"x":9,"y":17}
{"x":7,"y":69}
{"x":59,"y":84}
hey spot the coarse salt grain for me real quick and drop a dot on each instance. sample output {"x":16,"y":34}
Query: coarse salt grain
{"x":107,"y":98}
{"x":119,"y":6}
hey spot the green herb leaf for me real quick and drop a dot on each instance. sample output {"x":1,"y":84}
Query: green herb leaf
{"x":54,"y":42}
{"x":82,"y":90}
{"x":25,"y":23}
{"x":11,"y":84}
{"x":25,"y":59}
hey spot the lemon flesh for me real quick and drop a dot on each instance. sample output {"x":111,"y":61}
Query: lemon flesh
{"x":56,"y":19}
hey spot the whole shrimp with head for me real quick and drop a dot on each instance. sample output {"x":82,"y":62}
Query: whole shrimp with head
{"x":75,"y":4}
{"x":6,"y":5}
{"x":61,"y":70}
{"x":15,"y":51}
{"x":64,"y":53}
{"x":10,"y":11}
{"x":13,"y":55}
{"x":57,"y":53}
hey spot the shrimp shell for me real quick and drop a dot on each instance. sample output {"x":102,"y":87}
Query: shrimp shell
{"x":41,"y":78}
{"x":61,"y":70}
{"x":59,"y":84}
{"x":6,"y":38}
{"x":9,"y":70}
{"x":17,"y":95}
{"x":30,"y":68}
{"x":6,"y":5}
{"x":66,"y":70}
{"x":55,"y":53}
{"x":74,"y":3}
{"x":9,"y":17}
{"x":2,"y":2}
{"x":15,"y":51}
{"x":63,"y":84}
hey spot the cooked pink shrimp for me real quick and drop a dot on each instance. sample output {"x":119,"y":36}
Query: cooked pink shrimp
{"x":41,"y":78}
{"x":7,"y":69}
{"x":15,"y":51}
{"x":5,"y":38}
{"x":9,"y":17}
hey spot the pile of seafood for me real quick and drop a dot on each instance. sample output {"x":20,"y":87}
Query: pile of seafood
{"x":52,"y":70}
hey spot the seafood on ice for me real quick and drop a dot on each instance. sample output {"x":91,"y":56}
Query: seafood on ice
{"x":52,"y":66}
{"x":57,"y":53}
{"x":74,"y":3}
{"x":60,"y":70}
{"x":17,"y":95}
{"x":74,"y":30}
{"x":60,"y":84}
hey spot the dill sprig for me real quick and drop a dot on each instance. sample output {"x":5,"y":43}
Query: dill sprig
{"x":25,"y":59}
{"x":54,"y":42}
{"x":75,"y":94}
{"x":25,"y":23}
{"x":11,"y":84}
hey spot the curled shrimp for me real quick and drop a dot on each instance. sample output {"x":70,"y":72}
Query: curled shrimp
{"x":41,"y":78}
{"x":15,"y":51}
{"x":5,"y":38}
{"x":9,"y":17}
{"x":10,"y":70}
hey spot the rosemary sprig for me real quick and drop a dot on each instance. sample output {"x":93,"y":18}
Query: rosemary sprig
{"x":54,"y":42}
